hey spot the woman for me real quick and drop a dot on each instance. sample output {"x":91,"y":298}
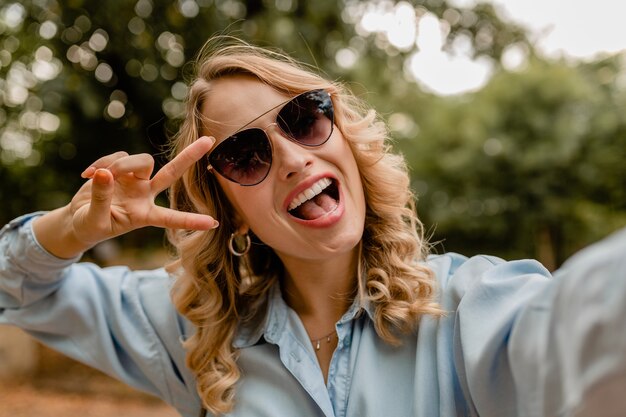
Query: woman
{"x":302,"y":285}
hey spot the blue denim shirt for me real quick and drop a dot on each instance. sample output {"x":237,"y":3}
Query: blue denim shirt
{"x":515,"y":341}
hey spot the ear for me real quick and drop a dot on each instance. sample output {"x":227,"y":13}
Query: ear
{"x":241,"y":226}
{"x":243,"y":229}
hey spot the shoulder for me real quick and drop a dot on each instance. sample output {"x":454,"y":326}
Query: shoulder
{"x":483,"y":278}
{"x":481,"y":296}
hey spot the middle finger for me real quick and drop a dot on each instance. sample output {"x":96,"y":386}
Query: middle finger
{"x":103,"y":162}
{"x":140,"y":165}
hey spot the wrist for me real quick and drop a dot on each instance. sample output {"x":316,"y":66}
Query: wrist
{"x":55,"y":233}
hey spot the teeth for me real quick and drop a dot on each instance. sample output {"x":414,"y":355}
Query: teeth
{"x":309,"y":193}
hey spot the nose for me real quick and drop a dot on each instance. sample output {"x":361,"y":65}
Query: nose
{"x":289,"y":157}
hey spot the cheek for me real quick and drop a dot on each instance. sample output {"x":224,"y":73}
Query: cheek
{"x":233,"y":194}
{"x":251,"y":203}
{"x":354,"y":177}
{"x":345,"y":158}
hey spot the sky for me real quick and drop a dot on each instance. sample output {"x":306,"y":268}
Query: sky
{"x":572,"y":27}
{"x":569,"y":28}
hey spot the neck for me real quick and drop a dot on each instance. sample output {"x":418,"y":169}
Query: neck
{"x":321,"y":291}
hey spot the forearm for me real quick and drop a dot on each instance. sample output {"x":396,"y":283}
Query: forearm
{"x":55,"y":233}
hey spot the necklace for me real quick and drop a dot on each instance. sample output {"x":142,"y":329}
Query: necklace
{"x":328,"y":337}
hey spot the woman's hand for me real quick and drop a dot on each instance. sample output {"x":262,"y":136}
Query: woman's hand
{"x":118,"y":198}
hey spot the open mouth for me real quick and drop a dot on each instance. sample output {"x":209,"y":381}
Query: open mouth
{"x":316,"y":201}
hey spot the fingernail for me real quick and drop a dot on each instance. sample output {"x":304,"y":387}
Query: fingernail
{"x":88,"y":172}
{"x":215,"y":224}
{"x":100,"y":176}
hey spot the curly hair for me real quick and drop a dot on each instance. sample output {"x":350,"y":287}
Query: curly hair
{"x":216,"y":291}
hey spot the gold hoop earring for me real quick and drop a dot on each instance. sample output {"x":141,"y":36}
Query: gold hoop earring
{"x":239,"y":244}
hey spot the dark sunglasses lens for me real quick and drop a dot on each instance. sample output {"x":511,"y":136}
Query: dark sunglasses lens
{"x":244,"y":158}
{"x":308,"y":118}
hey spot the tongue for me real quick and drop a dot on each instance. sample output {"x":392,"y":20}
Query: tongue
{"x":316,"y":207}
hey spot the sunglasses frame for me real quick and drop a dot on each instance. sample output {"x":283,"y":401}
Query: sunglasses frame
{"x":286,"y":135}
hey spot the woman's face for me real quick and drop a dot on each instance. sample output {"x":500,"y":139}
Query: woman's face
{"x":328,"y":224}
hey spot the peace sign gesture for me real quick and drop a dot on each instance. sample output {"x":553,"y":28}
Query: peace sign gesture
{"x":119,"y":197}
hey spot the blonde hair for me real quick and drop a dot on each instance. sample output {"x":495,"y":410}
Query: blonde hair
{"x":217,"y":291}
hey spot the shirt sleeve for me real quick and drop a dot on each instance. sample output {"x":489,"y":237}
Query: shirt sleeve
{"x":119,"y":321}
{"x":526,"y":344}
{"x":568,"y":347}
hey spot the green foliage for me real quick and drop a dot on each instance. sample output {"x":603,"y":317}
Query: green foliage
{"x":531,"y":165}
{"x":80,"y":79}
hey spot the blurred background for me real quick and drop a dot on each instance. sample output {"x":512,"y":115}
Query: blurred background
{"x":511,"y":114}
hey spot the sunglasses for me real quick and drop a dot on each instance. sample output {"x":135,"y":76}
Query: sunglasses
{"x":246,"y":156}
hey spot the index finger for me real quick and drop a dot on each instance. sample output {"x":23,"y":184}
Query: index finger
{"x":174,"y":169}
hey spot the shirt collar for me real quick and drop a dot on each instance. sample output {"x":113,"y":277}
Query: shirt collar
{"x":270,"y":319}
{"x":267,"y":320}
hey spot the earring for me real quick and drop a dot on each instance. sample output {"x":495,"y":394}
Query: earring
{"x":239,"y":244}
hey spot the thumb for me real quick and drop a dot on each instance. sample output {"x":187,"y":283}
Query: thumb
{"x":101,"y":194}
